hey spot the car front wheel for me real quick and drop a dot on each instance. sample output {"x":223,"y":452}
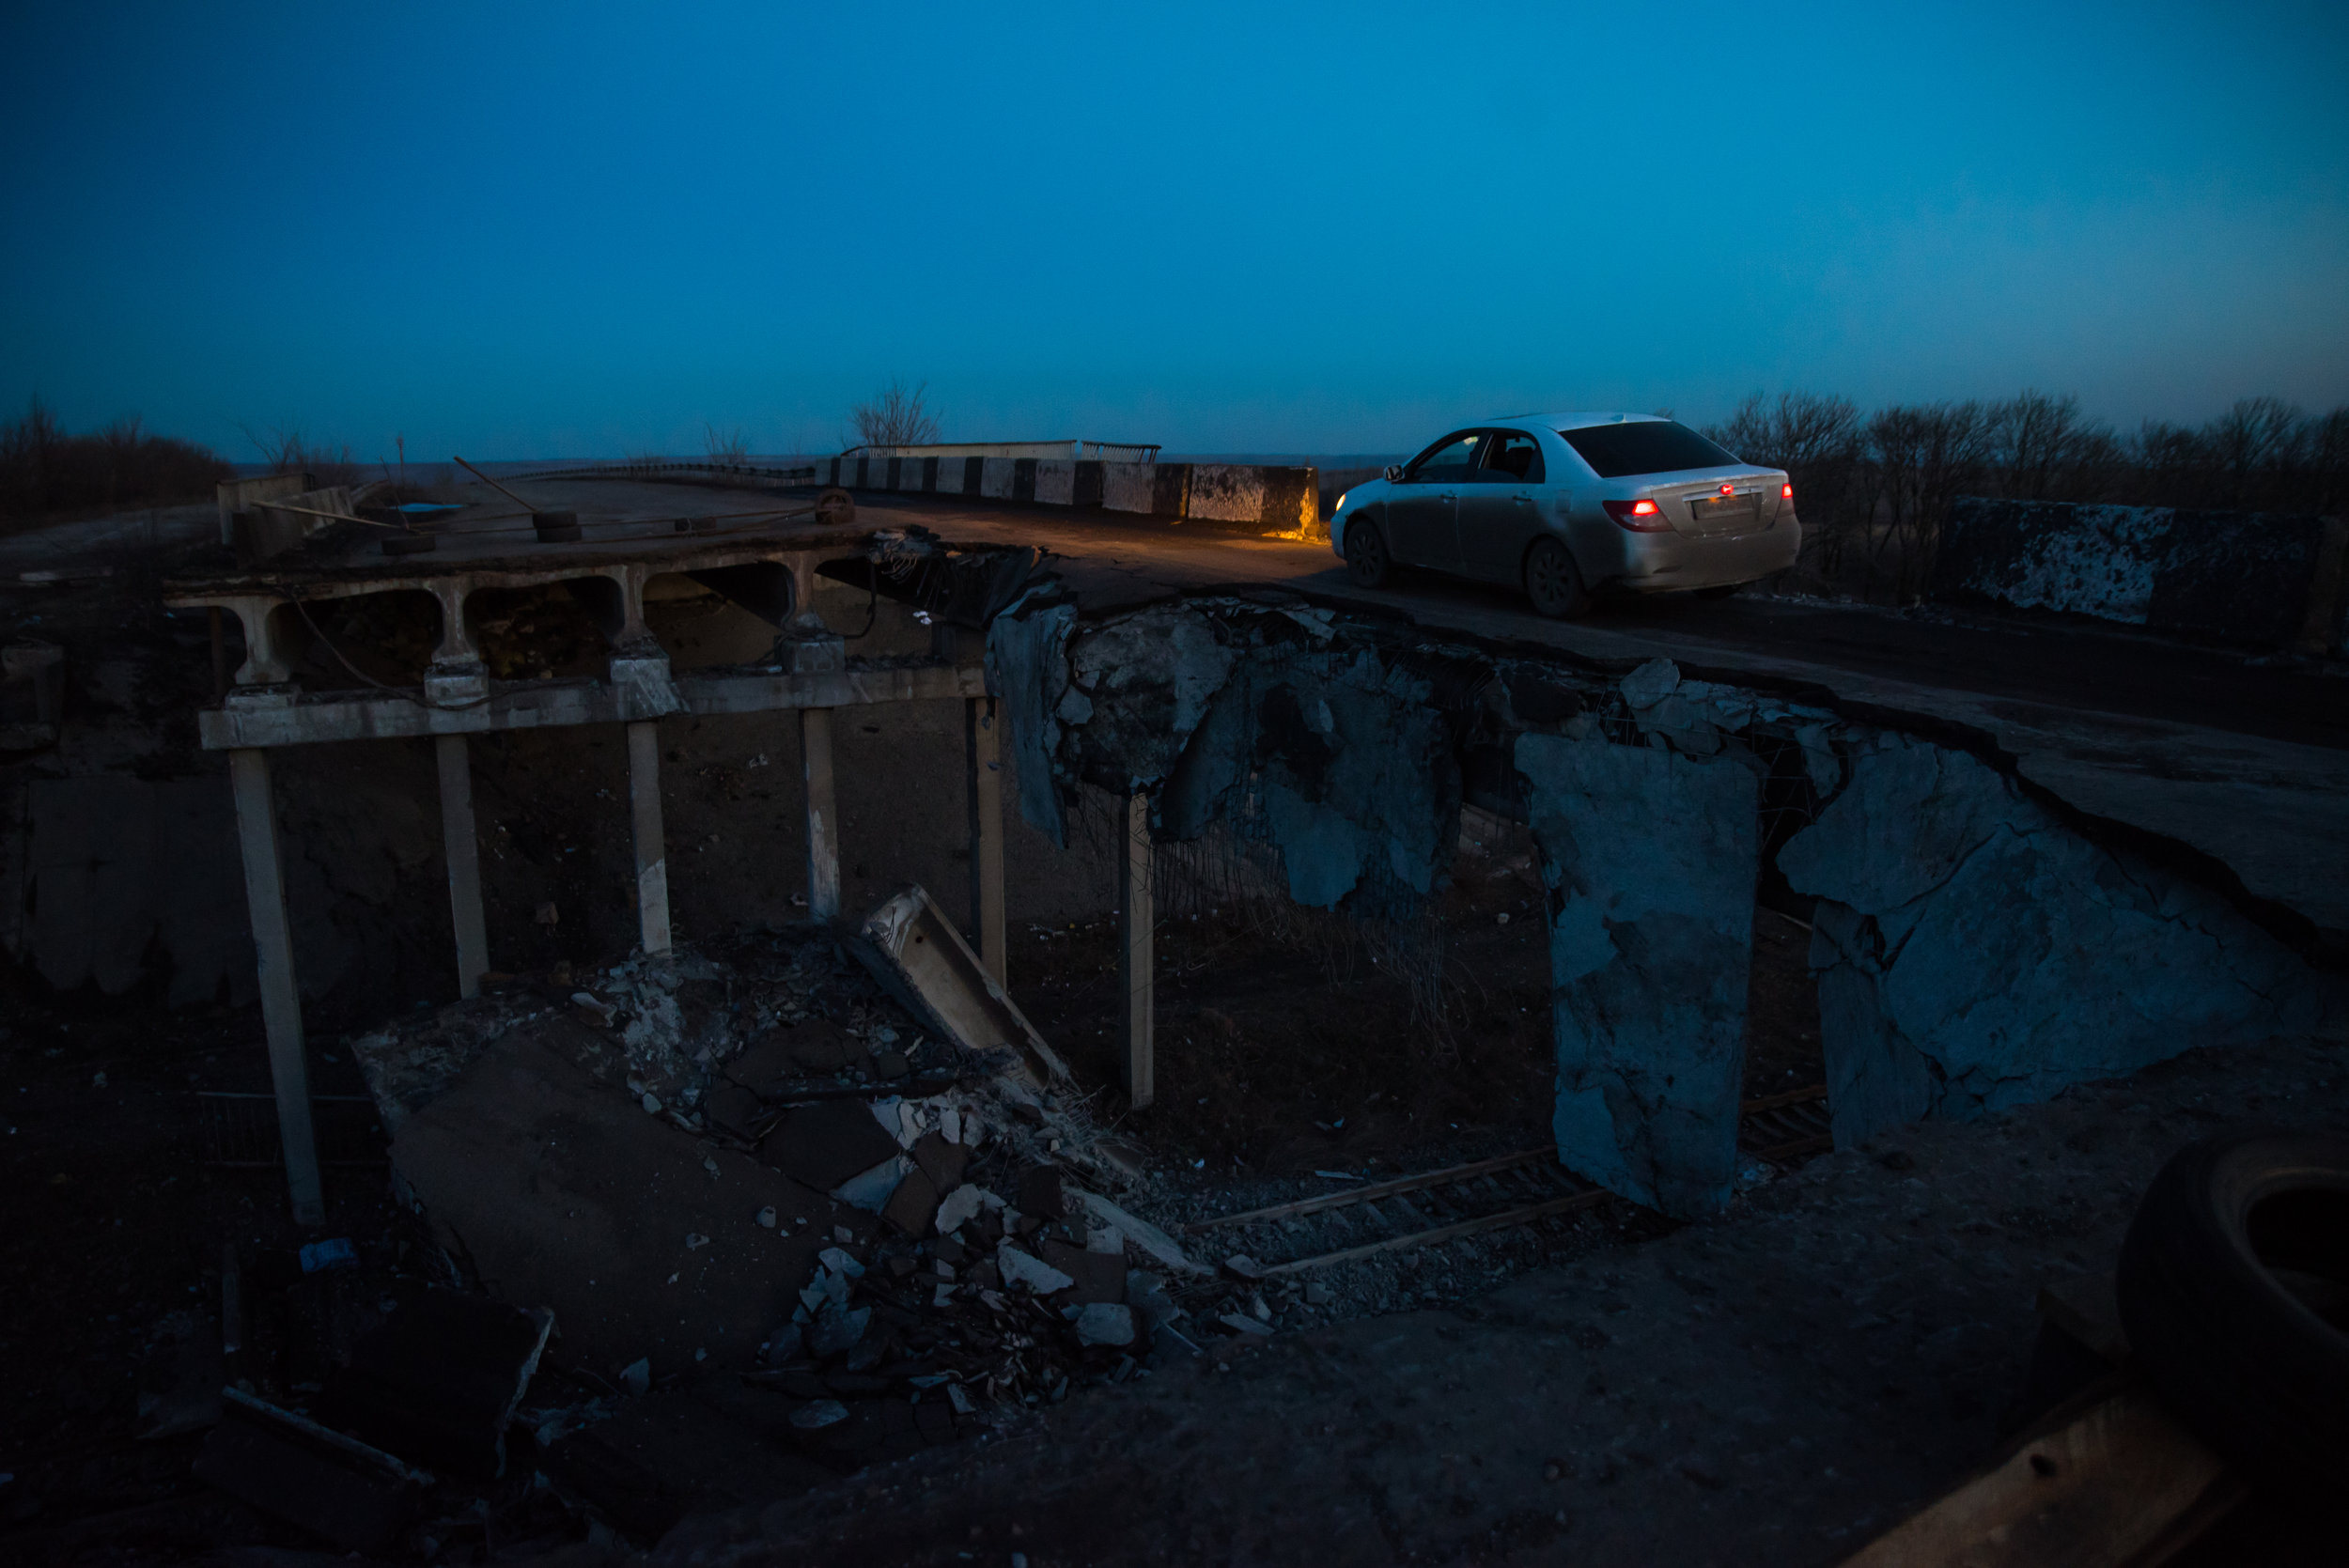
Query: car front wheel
{"x":1366,"y":559}
{"x":1553,"y":583}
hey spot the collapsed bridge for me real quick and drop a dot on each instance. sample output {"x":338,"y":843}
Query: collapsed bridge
{"x":1977,"y":946}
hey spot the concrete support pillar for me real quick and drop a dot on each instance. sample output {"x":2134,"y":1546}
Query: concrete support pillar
{"x":652,"y":855}
{"x":1137,"y":922}
{"x":281,"y":998}
{"x":464,"y":861}
{"x":823,"y":818}
{"x":982,"y":753}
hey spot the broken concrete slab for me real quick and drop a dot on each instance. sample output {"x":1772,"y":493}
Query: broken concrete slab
{"x":1976,"y":953}
{"x":437,"y":1381}
{"x":816,"y":1046}
{"x":1650,"y":858}
{"x":1019,"y":1268}
{"x":1140,"y":1234}
{"x":1097,"y":1276}
{"x":1101,"y":1323}
{"x":333,"y":1485}
{"x":829,"y":1142}
{"x":920,"y":957}
{"x":942,"y":1159}
{"x":914,"y":1204}
{"x":558,"y":1190}
{"x":709,"y":1446}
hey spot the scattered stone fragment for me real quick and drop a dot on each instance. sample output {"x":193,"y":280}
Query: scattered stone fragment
{"x":870,"y":1191}
{"x":695,"y":1241}
{"x":601,"y":1012}
{"x":913,"y":1206}
{"x":842,"y":1232}
{"x":1026,"y":1268}
{"x":651,"y":1102}
{"x":1099,"y":1277}
{"x":1318,"y":1294}
{"x":828,"y":1143}
{"x":837,"y":1328}
{"x":839,"y":1262}
{"x":1040,"y":1192}
{"x":960,"y":1208}
{"x":734,"y":1109}
{"x":1240,"y":1323}
{"x":1141,"y":1234}
{"x":940,"y":1159}
{"x":1244,"y":1266}
{"x":637,"y":1375}
{"x":891,"y":1065}
{"x":1105,"y":1323}
{"x":768,"y":1216}
{"x":817,"y":1414}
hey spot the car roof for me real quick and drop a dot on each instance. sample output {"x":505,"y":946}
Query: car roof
{"x":1580,"y":420}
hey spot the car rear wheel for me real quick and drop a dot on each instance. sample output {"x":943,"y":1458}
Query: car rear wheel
{"x":1553,"y":583}
{"x":1366,"y":559}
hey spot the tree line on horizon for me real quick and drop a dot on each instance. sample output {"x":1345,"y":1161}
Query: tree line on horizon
{"x":1873,"y":490}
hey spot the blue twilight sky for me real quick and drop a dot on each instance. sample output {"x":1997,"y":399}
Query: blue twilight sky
{"x":584,"y":229}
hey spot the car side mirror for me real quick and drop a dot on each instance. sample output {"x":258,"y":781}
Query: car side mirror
{"x":1395,"y":472}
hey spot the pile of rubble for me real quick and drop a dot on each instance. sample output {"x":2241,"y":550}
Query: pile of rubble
{"x":781,"y":1186}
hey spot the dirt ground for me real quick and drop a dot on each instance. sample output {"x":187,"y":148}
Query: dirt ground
{"x":1773,"y":1386}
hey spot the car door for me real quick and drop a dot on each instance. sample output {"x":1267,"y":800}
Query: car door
{"x":1422,"y":506}
{"x":1500,"y":509}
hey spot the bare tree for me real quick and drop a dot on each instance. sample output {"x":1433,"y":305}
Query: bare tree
{"x":1816,"y":439}
{"x":725,"y":451}
{"x":895,"y":418}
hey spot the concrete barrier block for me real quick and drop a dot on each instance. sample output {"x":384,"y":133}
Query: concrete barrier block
{"x":1128,"y":486}
{"x":997,"y":477}
{"x":1055,"y":482}
{"x":2246,"y":576}
{"x":1226,"y":492}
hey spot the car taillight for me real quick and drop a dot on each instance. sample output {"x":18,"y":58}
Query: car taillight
{"x":1786,"y":493}
{"x":1640,"y":517}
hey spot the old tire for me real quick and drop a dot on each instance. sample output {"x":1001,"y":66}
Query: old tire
{"x":2234,"y":1288}
{"x":1367,"y":563}
{"x":836,"y":508}
{"x":1553,"y":582}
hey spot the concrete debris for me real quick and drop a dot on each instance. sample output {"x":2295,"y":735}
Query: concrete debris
{"x":1650,"y":858}
{"x":637,"y":1375}
{"x":962,"y":1206}
{"x":1245,"y":1326}
{"x":320,"y":1256}
{"x":766,"y":1217}
{"x":921,"y":957}
{"x":871,"y":1190}
{"x":1974,"y":954}
{"x":1019,"y":1268}
{"x":1242,"y":1267}
{"x":1140,"y":1234}
{"x":438,"y":1380}
{"x":333,"y":1485}
{"x":1104,"y":1323}
{"x":180,"y":1377}
{"x":817,"y":1414}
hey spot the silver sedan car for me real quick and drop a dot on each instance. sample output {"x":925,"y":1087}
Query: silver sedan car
{"x":1564,"y":505}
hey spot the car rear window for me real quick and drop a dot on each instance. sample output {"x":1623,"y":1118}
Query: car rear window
{"x":1649,"y":447}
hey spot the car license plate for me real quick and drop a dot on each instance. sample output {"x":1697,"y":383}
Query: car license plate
{"x":1722,"y":513}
